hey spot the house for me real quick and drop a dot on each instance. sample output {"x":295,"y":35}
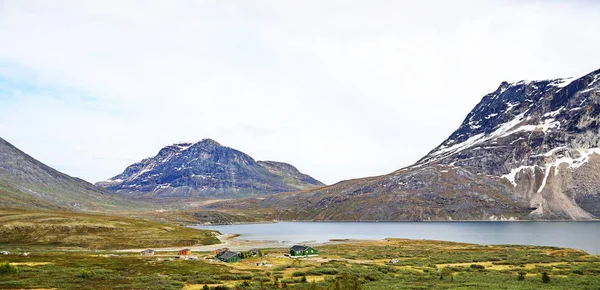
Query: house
{"x":148,"y":252}
{"x":303,"y":251}
{"x":218,"y":251}
{"x":185,"y":252}
{"x":229,"y":257}
{"x":254,"y":252}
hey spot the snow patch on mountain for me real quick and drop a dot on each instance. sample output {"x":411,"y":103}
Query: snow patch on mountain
{"x":572,"y":158}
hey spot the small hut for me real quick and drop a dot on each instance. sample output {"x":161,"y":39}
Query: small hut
{"x":148,"y":252}
{"x":218,"y":251}
{"x":303,"y":251}
{"x":185,"y":252}
{"x":229,"y":257}
{"x":254,"y":252}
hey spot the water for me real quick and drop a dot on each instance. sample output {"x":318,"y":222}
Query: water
{"x":578,"y":235}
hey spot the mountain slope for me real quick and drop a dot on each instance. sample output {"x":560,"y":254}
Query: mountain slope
{"x":541,"y":136}
{"x":28,"y":183}
{"x":528,"y":150}
{"x":206,"y":169}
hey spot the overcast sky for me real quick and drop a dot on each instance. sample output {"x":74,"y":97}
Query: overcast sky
{"x":340,"y":89}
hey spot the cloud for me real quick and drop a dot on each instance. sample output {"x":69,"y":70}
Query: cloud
{"x":339,"y":89}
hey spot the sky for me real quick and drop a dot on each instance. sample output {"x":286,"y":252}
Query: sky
{"x":339,"y":89}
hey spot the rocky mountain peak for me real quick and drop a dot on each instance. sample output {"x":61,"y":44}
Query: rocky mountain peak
{"x":208,"y":169}
{"x":540,"y":136}
{"x":529,"y":149}
{"x":532,"y":108}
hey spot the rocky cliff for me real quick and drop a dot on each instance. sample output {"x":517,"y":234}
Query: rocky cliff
{"x":528,"y":150}
{"x":542,"y":137}
{"x":206,"y":169}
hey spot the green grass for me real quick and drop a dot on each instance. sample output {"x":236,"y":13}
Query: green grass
{"x":423,"y":265}
{"x":52,"y":229}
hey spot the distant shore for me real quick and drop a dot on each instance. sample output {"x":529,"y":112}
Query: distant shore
{"x":231,"y":242}
{"x":380,"y":221}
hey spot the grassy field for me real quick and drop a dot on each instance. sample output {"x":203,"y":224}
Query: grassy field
{"x":364,"y":265}
{"x":27,"y":229}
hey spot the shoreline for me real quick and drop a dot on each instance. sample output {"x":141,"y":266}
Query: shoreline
{"x":230,"y":241}
{"x":381,"y":221}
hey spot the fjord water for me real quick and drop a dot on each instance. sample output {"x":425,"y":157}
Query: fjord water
{"x":577,"y":235}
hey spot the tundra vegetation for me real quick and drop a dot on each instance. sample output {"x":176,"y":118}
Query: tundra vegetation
{"x":359,"y":265}
{"x":52,"y":229}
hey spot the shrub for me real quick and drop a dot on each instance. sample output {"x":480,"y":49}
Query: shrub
{"x":321,"y":271}
{"x":7,"y":268}
{"x":477,"y":267}
{"x":262,"y":279}
{"x":85,"y":273}
{"x":234,"y":277}
{"x":298,"y":273}
{"x":545,"y":278}
{"x":521,"y":276}
{"x":280,"y":267}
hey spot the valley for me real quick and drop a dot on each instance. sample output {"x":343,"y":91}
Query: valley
{"x":352,"y":265}
{"x":527,"y":152}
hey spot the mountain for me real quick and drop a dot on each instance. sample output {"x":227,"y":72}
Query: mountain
{"x":28,"y":183}
{"x":528,"y":150}
{"x":206,"y":169}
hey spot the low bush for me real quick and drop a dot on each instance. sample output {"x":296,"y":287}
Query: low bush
{"x":234,"y":277}
{"x":578,"y":272}
{"x":545,"y":278}
{"x":7,"y":268}
{"x":298,"y":274}
{"x":85,"y":273}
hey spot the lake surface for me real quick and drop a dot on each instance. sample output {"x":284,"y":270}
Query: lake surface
{"x":578,"y":235}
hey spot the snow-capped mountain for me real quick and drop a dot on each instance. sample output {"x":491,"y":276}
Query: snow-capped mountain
{"x":541,"y":136}
{"x":206,"y":169}
{"x":528,"y":150}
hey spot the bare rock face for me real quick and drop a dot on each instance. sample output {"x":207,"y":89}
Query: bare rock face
{"x":528,"y":150}
{"x":542,"y":137}
{"x":206,"y":169}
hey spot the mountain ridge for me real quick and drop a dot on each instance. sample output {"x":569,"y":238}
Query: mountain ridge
{"x":26,"y":182}
{"x":527,"y":150}
{"x":206,"y":169}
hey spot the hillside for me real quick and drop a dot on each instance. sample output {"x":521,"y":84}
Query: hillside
{"x":28,"y":183}
{"x":528,"y":150}
{"x":209,"y":170}
{"x":27,"y":228}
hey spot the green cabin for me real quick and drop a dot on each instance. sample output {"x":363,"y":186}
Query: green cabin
{"x":301,"y":251}
{"x":229,"y":257}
